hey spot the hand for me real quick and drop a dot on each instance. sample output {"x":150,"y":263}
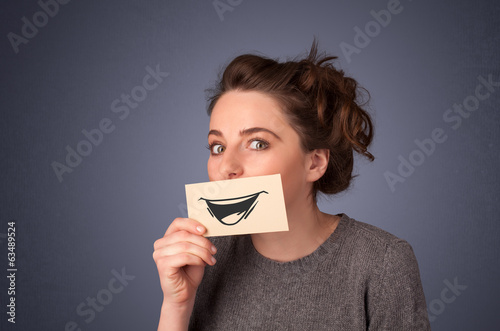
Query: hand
{"x":181,"y":256}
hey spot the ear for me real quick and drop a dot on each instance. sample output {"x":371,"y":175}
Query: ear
{"x":317,"y":164}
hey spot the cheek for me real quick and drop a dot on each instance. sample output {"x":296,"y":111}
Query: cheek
{"x":293,"y":185}
{"x":293,"y":177}
{"x":212,"y":169}
{"x":256,"y":164}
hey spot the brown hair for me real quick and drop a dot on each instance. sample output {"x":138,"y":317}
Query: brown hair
{"x":322,"y":105}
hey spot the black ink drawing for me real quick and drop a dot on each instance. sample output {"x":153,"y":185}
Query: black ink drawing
{"x":228,"y":211}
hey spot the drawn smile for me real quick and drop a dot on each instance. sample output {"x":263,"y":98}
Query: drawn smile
{"x":233,"y":210}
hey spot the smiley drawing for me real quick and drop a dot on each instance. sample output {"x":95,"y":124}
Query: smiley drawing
{"x":232,"y":210}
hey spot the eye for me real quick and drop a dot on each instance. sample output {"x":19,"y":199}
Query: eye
{"x":259,"y":145}
{"x":217,"y":148}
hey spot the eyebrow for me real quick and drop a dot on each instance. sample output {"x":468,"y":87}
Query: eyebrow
{"x":245,"y":132}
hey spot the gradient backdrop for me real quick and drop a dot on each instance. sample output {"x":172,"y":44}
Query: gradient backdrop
{"x":131,"y":76}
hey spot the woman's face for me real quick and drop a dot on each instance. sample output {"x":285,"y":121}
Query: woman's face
{"x":250,"y":136}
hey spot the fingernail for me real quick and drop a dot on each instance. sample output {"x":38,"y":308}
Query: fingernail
{"x":200,"y":229}
{"x":213,"y":249}
{"x":213,"y":260}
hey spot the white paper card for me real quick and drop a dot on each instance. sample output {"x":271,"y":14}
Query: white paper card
{"x":238,"y":206}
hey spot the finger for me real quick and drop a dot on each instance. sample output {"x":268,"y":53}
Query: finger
{"x":184,"y":236}
{"x":186,"y":224}
{"x":182,"y":247}
{"x":172,"y":263}
{"x":183,"y":241}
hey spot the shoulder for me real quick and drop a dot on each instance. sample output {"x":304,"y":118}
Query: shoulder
{"x":394,"y":294}
{"x":366,"y":234}
{"x":367,"y":244}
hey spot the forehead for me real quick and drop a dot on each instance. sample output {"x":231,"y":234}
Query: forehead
{"x":236,"y":110}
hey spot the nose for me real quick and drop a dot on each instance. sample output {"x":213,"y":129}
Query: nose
{"x":230,"y":166}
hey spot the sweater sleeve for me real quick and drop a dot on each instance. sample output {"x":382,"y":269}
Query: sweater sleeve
{"x":395,"y":298}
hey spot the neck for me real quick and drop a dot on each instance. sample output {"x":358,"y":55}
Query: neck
{"x":308,"y":229}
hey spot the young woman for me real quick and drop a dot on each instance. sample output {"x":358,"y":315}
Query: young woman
{"x":304,"y":120}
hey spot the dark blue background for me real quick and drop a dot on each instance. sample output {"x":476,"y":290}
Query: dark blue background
{"x":106,"y":214}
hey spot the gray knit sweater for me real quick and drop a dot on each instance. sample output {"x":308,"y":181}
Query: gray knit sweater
{"x":361,"y":278}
